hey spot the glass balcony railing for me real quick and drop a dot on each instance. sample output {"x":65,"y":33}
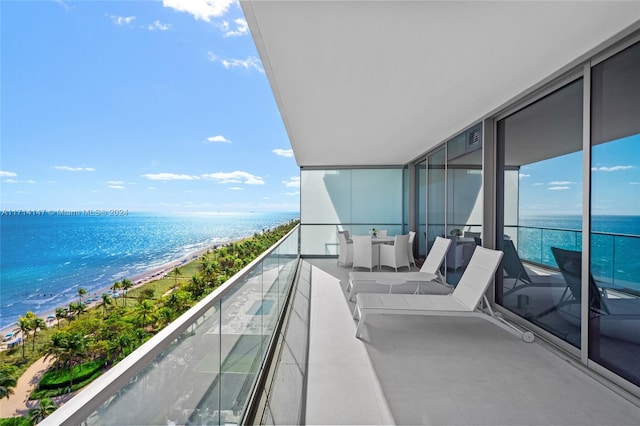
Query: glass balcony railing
{"x":203,"y":367}
{"x":613,"y":256}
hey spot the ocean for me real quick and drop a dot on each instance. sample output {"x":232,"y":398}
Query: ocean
{"x":615,"y":244}
{"x":45,"y":258}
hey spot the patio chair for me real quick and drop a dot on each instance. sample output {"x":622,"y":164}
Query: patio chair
{"x":570,"y":265}
{"x":464,"y":300}
{"x":345,"y":255}
{"x":429,"y":273}
{"x":364,"y":254}
{"x":513,"y":268}
{"x":412,"y":236}
{"x":395,"y":255}
{"x":382,"y":233}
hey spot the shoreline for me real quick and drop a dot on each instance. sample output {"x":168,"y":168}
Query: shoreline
{"x":138,"y":280}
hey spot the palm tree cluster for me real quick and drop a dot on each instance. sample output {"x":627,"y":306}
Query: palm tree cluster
{"x":113,"y":332}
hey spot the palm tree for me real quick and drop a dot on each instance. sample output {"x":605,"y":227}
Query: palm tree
{"x":106,"y":301}
{"x":175,"y":273}
{"x":115,"y":287}
{"x":67,"y":349}
{"x":61,"y":313}
{"x":81,"y":293}
{"x":37,"y":324}
{"x":126,"y":285}
{"x":144,"y":310}
{"x":24,"y":325}
{"x":7,"y":383}
{"x":42,"y":410}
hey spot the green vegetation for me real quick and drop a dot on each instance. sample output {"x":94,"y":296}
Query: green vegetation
{"x":86,"y":342}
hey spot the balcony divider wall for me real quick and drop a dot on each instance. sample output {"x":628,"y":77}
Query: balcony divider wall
{"x":352,"y":199}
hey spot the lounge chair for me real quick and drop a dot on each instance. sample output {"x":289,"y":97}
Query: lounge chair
{"x":617,"y":317}
{"x":429,"y":273}
{"x":463,"y":301}
{"x":513,"y":268}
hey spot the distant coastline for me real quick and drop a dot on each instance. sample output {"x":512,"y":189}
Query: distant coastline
{"x":51,"y":257}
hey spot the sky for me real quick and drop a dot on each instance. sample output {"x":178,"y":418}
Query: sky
{"x":555,"y":185}
{"x":156,"y":105}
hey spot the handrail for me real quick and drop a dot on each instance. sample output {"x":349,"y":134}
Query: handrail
{"x":99,"y":391}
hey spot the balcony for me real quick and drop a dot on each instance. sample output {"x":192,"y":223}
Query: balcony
{"x":427,"y":370}
{"x":204,"y":368}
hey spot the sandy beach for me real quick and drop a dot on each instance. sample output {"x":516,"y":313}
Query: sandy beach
{"x":137,"y":280}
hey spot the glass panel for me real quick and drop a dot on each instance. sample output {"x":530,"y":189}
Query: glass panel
{"x":206,"y":375}
{"x":421,"y":209}
{"x":325,"y":196}
{"x":614,"y":317}
{"x":376,"y":196}
{"x":540,"y":161}
{"x":463,"y":200}
{"x":174,"y":384}
{"x":436,"y":198}
{"x":353,"y":200}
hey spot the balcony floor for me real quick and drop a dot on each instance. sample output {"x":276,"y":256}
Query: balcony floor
{"x":435,"y":371}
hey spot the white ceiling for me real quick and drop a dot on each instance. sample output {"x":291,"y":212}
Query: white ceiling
{"x":381,"y":82}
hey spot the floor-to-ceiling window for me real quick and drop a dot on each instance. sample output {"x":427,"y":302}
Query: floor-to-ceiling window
{"x":540,"y":160}
{"x":454,"y":199}
{"x":614,"y":311}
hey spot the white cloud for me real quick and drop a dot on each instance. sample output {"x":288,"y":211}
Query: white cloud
{"x":562,"y":183}
{"x":218,"y":138}
{"x":293,"y":182}
{"x":4,"y":173}
{"x":283,"y":152}
{"x":157,"y":25}
{"x":236,"y":188}
{"x":169,"y":176}
{"x":116,"y":186}
{"x":538,"y":184}
{"x":522,"y":175}
{"x":122,"y":20}
{"x":235,"y":177}
{"x":292,"y":193}
{"x":151,"y":188}
{"x":251,"y":62}
{"x":75,"y":169}
{"x":62,"y":3}
{"x":242,"y":28}
{"x":558,"y":188}
{"x":200,"y":9}
{"x":115,"y":182}
{"x":611,"y":169}
{"x":634,"y":183}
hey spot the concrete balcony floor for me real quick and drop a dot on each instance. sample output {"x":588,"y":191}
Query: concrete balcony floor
{"x":440,"y":371}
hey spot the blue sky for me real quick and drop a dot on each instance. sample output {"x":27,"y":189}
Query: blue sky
{"x":555,"y":185}
{"x":140,"y":105}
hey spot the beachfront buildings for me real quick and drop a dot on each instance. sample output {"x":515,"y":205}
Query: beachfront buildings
{"x":439,"y":117}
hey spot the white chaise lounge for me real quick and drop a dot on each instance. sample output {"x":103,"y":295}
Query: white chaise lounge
{"x":428,"y":280}
{"x":464,"y":300}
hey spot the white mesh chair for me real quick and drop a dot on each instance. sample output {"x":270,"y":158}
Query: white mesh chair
{"x":345,"y":256}
{"x":395,"y":256}
{"x":364,"y":253}
{"x":412,"y":236}
{"x":464,"y":300}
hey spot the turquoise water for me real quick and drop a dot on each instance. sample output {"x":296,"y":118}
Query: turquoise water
{"x":44,"y":259}
{"x":615,"y":244}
